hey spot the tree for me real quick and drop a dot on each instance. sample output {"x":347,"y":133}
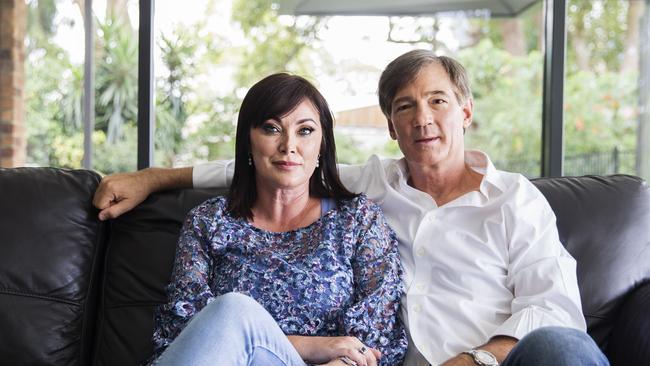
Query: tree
{"x":275,"y":45}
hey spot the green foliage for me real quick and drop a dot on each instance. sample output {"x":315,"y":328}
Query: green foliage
{"x":507,"y":102}
{"x":348,"y":151}
{"x":40,"y":18}
{"x":600,"y":26}
{"x":49,"y":113}
{"x":193,"y":123}
{"x":276,"y":45}
{"x":117,"y":79}
{"x":116,"y":157}
{"x":600,"y":112}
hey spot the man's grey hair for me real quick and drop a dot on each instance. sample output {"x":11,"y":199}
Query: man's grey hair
{"x":405,"y":69}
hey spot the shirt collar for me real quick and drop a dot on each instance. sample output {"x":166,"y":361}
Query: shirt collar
{"x":397,"y":171}
{"x":480,"y":162}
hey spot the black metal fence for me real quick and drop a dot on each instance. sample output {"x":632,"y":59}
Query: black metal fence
{"x":601,"y":163}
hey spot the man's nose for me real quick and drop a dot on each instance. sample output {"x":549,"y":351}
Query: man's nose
{"x":423,"y":115}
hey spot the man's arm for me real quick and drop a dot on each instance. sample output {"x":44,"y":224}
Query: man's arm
{"x":499,"y":346}
{"x":119,"y":193}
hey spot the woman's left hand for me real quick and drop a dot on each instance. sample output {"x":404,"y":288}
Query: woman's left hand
{"x":335,"y":362}
{"x":330,"y":349}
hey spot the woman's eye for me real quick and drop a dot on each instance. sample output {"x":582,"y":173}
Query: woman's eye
{"x":437,"y":101}
{"x":305,"y":131}
{"x":269,"y":128}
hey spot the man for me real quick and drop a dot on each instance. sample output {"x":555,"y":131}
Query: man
{"x":488,"y":281}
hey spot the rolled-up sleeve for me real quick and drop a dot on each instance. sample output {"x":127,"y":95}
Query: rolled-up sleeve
{"x":541,"y":273}
{"x":215,"y":174}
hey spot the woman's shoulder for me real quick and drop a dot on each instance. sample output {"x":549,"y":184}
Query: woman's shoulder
{"x":211,"y":208}
{"x":359,"y":204}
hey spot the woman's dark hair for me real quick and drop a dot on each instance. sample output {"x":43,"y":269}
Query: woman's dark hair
{"x":274,"y":97}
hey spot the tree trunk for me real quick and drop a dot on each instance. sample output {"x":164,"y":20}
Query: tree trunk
{"x":631,"y":45}
{"x":583,"y":55}
{"x":118,"y":9}
{"x":514,"y":40}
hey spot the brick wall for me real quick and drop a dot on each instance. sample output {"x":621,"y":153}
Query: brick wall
{"x":13,"y":144}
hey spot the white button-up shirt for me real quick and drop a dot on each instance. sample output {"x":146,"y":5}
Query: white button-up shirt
{"x":487,"y":263}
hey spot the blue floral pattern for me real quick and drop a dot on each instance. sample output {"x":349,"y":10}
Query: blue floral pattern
{"x":340,"y":275}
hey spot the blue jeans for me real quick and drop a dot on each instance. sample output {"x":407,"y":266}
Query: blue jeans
{"x":232,"y":330}
{"x":556,"y":346}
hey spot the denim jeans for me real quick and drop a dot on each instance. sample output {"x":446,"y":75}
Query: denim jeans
{"x":556,"y":346}
{"x":232,"y":330}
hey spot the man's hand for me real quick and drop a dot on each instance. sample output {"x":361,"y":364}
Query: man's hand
{"x":330,"y":349}
{"x":119,"y":193}
{"x":499,"y":346}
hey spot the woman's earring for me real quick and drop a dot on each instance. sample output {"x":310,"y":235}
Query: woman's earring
{"x":318,"y":161}
{"x":250,"y":160}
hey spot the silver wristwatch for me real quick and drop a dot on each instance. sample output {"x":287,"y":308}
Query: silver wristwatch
{"x":482,"y":357}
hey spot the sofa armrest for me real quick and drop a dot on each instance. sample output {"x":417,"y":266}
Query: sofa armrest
{"x":630,"y":340}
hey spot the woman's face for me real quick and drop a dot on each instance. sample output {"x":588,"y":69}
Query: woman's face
{"x":285,"y":151}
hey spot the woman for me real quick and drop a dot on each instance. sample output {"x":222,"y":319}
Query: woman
{"x":290,"y":268}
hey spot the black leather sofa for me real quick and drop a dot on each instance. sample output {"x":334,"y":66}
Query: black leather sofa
{"x":76,"y":291}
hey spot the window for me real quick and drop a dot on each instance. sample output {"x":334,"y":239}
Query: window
{"x":603,"y":83}
{"x":209,"y":54}
{"x":54,"y":84}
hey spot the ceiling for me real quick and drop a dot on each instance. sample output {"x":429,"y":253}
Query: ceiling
{"x":496,"y":8}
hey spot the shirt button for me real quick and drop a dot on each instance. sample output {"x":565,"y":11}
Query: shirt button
{"x":420,"y":287}
{"x":416,"y":308}
{"x":419,"y":252}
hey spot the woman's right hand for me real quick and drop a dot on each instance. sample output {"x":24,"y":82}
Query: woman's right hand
{"x":330,"y":349}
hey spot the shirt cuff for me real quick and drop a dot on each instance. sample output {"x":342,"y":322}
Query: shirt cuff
{"x":216,"y":174}
{"x":522,"y":323}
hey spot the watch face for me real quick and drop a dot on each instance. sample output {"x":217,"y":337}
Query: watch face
{"x":485,"y":357}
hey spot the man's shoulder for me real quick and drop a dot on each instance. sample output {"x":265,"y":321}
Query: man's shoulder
{"x":521,"y":197}
{"x":368,"y":176}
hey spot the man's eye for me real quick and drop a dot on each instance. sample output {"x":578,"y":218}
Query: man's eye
{"x":402,"y":107}
{"x":305,"y":131}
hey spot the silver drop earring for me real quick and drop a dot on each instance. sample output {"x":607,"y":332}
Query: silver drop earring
{"x":250,"y":160}
{"x":318,"y":161}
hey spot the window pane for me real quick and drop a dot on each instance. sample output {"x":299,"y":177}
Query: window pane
{"x":209,"y":54}
{"x":602,"y":87}
{"x":116,"y":85}
{"x":54,"y":84}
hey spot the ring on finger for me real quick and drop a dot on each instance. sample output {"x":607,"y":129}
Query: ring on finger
{"x":347,"y":361}
{"x":363,"y":349}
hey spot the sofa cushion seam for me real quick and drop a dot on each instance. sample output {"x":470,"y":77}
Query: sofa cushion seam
{"x":39,"y":296}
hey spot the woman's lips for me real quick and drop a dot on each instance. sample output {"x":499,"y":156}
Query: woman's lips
{"x":285,"y":164}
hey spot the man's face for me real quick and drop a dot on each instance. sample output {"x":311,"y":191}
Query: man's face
{"x":427,"y":119}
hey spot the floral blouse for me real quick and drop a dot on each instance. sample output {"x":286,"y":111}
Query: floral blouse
{"x":341,"y":275}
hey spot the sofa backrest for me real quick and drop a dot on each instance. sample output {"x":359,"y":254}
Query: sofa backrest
{"x":604,"y":222}
{"x":58,"y":263}
{"x":51,"y":250}
{"x":139,"y":259}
